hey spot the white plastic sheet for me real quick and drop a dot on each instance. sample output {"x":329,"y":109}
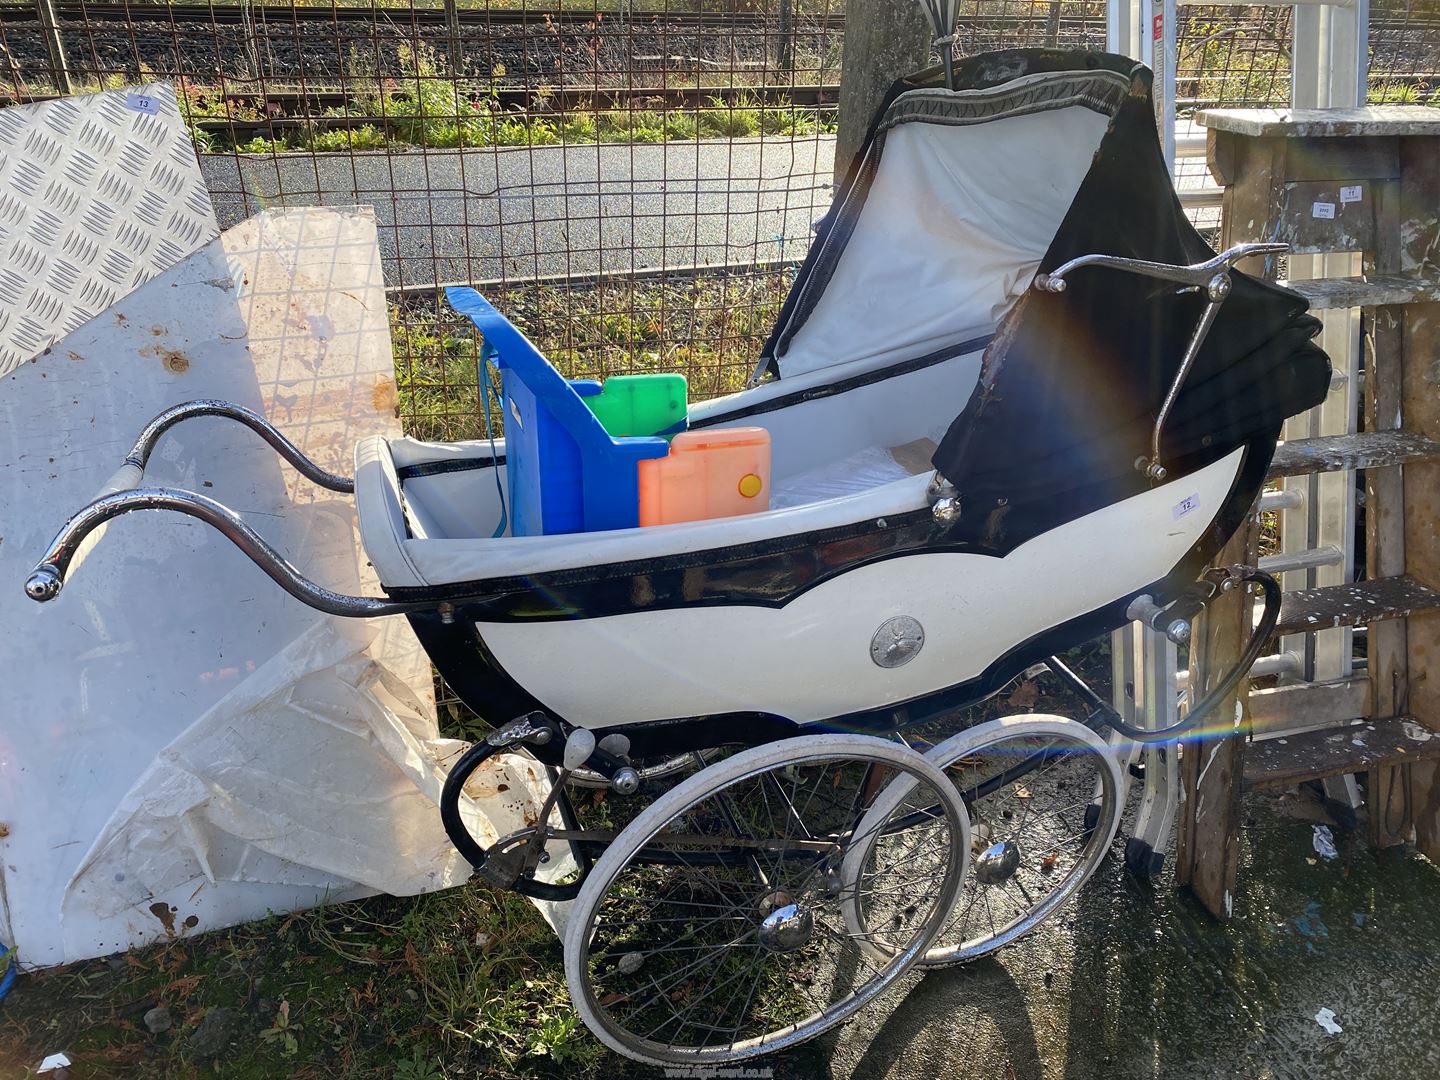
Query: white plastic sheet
{"x":182,"y":745}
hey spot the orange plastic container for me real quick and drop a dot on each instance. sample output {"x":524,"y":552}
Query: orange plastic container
{"x":709,"y":473}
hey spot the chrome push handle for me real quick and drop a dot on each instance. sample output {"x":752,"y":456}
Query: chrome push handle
{"x":48,"y":577}
{"x":1202,"y":274}
{"x":1212,"y":275}
{"x":130,"y":474}
{"x":122,"y":493}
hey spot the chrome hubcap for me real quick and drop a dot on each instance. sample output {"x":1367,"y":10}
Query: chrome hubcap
{"x":784,"y":925}
{"x":997,"y":862}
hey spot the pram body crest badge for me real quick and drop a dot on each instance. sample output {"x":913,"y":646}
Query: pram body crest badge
{"x":897,"y":641}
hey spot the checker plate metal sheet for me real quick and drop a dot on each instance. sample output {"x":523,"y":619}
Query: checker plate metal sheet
{"x":98,"y":194}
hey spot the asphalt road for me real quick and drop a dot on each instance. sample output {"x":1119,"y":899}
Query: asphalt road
{"x":477,"y":215}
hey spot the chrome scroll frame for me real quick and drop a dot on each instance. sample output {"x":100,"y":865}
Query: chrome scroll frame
{"x":122,"y":493}
{"x":1213,"y":276}
{"x":139,"y":455}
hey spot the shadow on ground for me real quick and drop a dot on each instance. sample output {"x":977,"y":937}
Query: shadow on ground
{"x":1138,"y":981}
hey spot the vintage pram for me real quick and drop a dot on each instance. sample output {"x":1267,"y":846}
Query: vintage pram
{"x":1005,"y":271}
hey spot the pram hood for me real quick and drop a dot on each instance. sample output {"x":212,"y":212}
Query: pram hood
{"x":1058,"y":158}
{"x":946,"y":212}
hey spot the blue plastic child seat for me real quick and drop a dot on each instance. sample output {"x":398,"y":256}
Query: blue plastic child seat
{"x":565,"y":473}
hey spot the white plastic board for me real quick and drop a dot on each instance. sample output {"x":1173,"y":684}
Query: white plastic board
{"x":182,"y":745}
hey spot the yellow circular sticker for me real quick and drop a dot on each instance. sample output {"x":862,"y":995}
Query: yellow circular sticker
{"x":750,"y":485}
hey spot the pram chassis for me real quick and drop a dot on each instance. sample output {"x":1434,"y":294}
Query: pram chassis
{"x":444,"y":618}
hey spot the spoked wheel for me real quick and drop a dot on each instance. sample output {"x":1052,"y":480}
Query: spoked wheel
{"x":1045,"y":800}
{"x":712,"y":929}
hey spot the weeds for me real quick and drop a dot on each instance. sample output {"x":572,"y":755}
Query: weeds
{"x":707,"y":326}
{"x":364,"y":137}
{"x":429,"y":107}
{"x":462,"y":983}
{"x":1396,"y":93}
{"x":418,"y":1066}
{"x":283,"y":1032}
{"x":421,"y":130}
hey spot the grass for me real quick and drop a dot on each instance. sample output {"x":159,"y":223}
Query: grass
{"x":467,"y":982}
{"x":709,"y":327}
{"x":427,"y":106}
{"x":444,"y":128}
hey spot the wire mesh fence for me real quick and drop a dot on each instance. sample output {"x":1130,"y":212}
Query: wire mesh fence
{"x":1232,"y":57}
{"x":1405,"y":51}
{"x":633,"y":179}
{"x":630,"y":180}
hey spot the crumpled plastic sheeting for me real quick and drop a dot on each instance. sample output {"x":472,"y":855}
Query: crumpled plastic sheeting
{"x":320,"y":769}
{"x":185,"y":746}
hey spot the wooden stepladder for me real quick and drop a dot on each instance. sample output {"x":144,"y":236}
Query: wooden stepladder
{"x":1363,"y":181}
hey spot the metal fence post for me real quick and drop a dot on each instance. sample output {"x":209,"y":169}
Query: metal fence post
{"x":785,"y":31}
{"x":50,"y":28}
{"x":452,"y":24}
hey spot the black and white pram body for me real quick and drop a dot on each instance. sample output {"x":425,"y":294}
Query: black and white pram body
{"x":853,"y":602}
{"x":1079,"y":451}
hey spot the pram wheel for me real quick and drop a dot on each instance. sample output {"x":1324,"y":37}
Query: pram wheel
{"x":1045,"y":800}
{"x":712,"y":929}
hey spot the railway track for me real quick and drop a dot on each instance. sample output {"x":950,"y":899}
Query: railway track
{"x":237,"y":14}
{"x":222,"y":14}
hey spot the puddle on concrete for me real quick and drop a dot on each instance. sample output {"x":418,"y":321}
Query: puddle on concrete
{"x":1138,"y":981}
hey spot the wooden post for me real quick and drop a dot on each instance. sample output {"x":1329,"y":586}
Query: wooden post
{"x":54,"y":45}
{"x":884,"y":39}
{"x":1052,"y":25}
{"x":1207,"y":847}
{"x":785,"y":47}
{"x":1419,"y":205}
{"x":1207,"y":851}
{"x":1384,"y":557}
{"x":1385,"y":647}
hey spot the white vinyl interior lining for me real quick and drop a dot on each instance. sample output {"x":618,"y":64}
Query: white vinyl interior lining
{"x":951,"y":234}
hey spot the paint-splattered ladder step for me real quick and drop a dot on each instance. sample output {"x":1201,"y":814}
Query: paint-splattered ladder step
{"x":1372,"y":290}
{"x":1358,"y":604}
{"x":1363,"y":450}
{"x":1314,"y":755}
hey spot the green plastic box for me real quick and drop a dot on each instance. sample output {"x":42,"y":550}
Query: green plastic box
{"x":630,"y":406}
